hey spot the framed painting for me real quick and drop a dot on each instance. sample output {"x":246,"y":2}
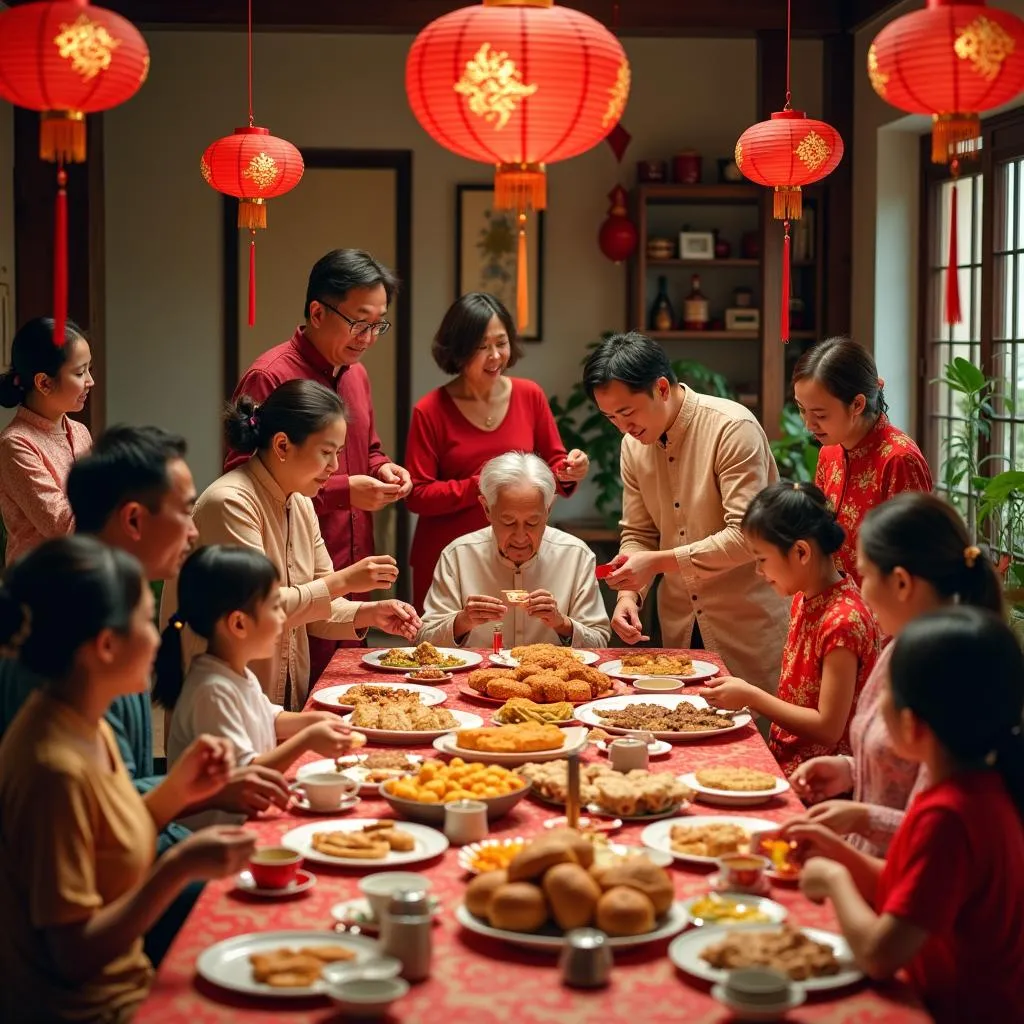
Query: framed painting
{"x":485,"y":254}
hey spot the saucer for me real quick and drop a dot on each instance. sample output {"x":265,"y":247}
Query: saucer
{"x":357,"y":912}
{"x":587,"y":824}
{"x":656,"y":748}
{"x":302,"y":804}
{"x":783,"y":877}
{"x":746,"y":1011}
{"x":719,"y":884}
{"x":302,"y":881}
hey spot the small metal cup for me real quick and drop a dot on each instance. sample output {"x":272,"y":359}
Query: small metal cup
{"x":586,"y":958}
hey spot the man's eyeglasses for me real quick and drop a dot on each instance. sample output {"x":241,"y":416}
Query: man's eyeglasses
{"x":360,"y":327}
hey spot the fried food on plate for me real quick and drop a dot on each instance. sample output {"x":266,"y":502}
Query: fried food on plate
{"x":512,"y":739}
{"x":739,"y":779}
{"x":788,"y":950}
{"x":288,"y":968}
{"x":658,"y":664}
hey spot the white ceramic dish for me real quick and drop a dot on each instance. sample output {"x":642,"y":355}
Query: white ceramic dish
{"x":345,"y":804}
{"x":775,"y":912}
{"x":304,"y":880}
{"x":354,"y":770}
{"x":434,"y":681}
{"x":733,"y":797}
{"x":398,"y":737}
{"x":574,"y":739}
{"x":701,"y":670}
{"x":467,"y":853}
{"x":227,"y":963}
{"x":434,"y":814}
{"x":658,"y":684}
{"x":746,"y":1012}
{"x":469,"y":659}
{"x":366,"y":997}
{"x":333,"y":697}
{"x":429,"y":844}
{"x":685,"y":952}
{"x":561,"y":725}
{"x":656,"y":836}
{"x":357,"y":911}
{"x":589,"y":715}
{"x":504,"y":657}
{"x":656,"y":748}
{"x":551,"y":940}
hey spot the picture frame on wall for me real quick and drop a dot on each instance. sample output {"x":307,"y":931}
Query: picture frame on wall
{"x":486,"y":247}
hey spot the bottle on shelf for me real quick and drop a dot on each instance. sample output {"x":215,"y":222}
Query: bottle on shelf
{"x":695,"y":308}
{"x":663,"y":317}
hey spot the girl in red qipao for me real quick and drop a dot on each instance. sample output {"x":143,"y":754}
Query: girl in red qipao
{"x":947,"y":903}
{"x":864,"y":459}
{"x":832,"y":643}
{"x":472,"y":419}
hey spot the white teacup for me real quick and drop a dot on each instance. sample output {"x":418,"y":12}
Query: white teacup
{"x":379,"y":888}
{"x":326,"y":791}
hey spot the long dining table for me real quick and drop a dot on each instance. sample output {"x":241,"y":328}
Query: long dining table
{"x":477,"y":980}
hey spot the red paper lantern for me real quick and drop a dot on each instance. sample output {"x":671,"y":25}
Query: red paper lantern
{"x":618,"y":235}
{"x":952,"y":60}
{"x":518,"y":84}
{"x":67,"y":59}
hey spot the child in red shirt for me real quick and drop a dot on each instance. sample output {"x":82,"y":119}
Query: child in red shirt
{"x":832,"y":643}
{"x":948,"y":903}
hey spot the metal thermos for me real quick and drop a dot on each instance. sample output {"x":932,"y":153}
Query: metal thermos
{"x":586,"y":959}
{"x":406,"y":933}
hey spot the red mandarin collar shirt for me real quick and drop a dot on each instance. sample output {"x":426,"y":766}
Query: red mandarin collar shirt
{"x":347,"y":531}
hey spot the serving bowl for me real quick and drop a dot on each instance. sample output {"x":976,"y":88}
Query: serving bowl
{"x":433,"y":814}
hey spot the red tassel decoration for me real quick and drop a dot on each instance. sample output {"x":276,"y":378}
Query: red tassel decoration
{"x":952,"y":272}
{"x":60,"y":258}
{"x":252,"y":280}
{"x":522,"y":278}
{"x":785,"y":285}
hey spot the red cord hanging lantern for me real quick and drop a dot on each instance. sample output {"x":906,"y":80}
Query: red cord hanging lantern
{"x":953,"y":60}
{"x":67,"y":59}
{"x":517,"y":84}
{"x":253,"y":166}
{"x":786,"y":153}
{"x":618,"y":235}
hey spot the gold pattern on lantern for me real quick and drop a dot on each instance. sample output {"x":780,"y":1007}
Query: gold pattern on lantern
{"x":88,"y":46}
{"x":879,"y":79}
{"x":493,"y":85}
{"x":813,"y":151}
{"x":986,"y":45}
{"x":262,"y":171}
{"x":738,"y":154}
{"x":618,"y":94}
{"x":204,"y":170}
{"x":145,"y":70}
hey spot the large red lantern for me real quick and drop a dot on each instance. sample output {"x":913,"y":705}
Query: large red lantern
{"x":67,"y":59}
{"x":517,"y":84}
{"x":253,"y":166}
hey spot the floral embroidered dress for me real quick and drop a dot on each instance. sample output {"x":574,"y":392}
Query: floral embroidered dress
{"x":837,"y":617}
{"x":886,"y":462}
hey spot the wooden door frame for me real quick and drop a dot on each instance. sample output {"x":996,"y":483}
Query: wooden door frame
{"x":399,"y":161}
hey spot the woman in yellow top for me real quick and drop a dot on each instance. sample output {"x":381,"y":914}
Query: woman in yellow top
{"x":78,"y":882}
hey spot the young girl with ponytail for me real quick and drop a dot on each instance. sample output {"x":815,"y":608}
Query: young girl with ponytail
{"x":832,"y":642}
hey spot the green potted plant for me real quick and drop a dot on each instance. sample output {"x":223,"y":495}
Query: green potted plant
{"x":796,"y":452}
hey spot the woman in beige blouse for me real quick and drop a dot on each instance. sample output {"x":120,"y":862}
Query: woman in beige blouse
{"x":295,"y":437}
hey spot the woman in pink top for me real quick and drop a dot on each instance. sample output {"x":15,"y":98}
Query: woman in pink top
{"x":915,"y":556}
{"x":46,"y":382}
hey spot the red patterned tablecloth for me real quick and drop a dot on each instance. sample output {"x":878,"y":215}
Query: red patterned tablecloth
{"x":475,"y":979}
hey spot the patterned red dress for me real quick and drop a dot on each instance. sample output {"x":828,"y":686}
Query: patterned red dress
{"x":885,"y":463}
{"x":837,"y":617}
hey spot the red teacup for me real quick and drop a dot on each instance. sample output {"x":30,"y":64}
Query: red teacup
{"x":274,"y":867}
{"x":743,"y":870}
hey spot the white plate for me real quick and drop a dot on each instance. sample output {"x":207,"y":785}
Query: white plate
{"x":775,"y":912}
{"x":685,"y":952}
{"x":602,"y":812}
{"x":561,"y":725}
{"x":552,"y":941}
{"x":463,"y":720}
{"x":505,"y":660}
{"x":758,"y":1012}
{"x":303,"y":880}
{"x":227,"y":963}
{"x":656,"y":836}
{"x":733,"y":797}
{"x":701,"y":670}
{"x":429,"y":843}
{"x":469,"y":659}
{"x":467,"y":853}
{"x":356,"y":771}
{"x":588,"y":714}
{"x":357,"y":911}
{"x":656,"y":748}
{"x":334,"y":696}
{"x":574,"y":739}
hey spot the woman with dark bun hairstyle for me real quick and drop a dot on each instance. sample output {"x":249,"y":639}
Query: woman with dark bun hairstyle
{"x":864,"y":459}
{"x":294,"y":439}
{"x":832,"y":643}
{"x":45,"y":382}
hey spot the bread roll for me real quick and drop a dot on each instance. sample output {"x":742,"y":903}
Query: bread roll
{"x":580,"y":845}
{"x":518,"y":907}
{"x":481,"y":889}
{"x":572,"y":895}
{"x":531,"y":862}
{"x":625,"y":911}
{"x":640,"y":874}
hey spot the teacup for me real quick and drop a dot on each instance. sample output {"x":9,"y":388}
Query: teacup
{"x":380,"y":887}
{"x":274,"y":867}
{"x":743,"y":870}
{"x":325,"y":791}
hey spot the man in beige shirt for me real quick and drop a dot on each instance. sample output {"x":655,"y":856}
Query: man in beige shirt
{"x":691,"y":464}
{"x":538,"y":582}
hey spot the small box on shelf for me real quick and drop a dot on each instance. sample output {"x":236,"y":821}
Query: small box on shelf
{"x":743,"y":318}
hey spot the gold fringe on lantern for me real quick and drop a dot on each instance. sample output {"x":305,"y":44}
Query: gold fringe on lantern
{"x":519,"y":3}
{"x":520,"y":187}
{"x":522,"y":278}
{"x":789,"y":202}
{"x":62,"y":136}
{"x":950,"y":132}
{"x":252,"y":214}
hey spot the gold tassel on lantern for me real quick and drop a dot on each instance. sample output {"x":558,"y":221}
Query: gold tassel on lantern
{"x":520,"y":187}
{"x":62,"y":136}
{"x":252,"y":213}
{"x":950,"y":132}
{"x":789,"y":202}
{"x":522,"y":278}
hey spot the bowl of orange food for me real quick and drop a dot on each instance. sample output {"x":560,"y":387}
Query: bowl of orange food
{"x":422,"y":796}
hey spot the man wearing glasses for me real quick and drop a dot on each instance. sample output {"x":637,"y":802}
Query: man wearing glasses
{"x":346,"y":301}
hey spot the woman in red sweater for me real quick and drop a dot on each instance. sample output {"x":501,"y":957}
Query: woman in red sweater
{"x":476,"y":416}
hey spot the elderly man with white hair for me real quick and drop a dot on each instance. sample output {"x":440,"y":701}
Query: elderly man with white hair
{"x":559,"y":600}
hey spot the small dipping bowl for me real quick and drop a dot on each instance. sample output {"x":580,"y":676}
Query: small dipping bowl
{"x":380,"y":887}
{"x":744,"y":871}
{"x":758,"y":993}
{"x":377,"y":968}
{"x":367,"y":997}
{"x":415,"y":677}
{"x":274,"y":867}
{"x":658,"y":684}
